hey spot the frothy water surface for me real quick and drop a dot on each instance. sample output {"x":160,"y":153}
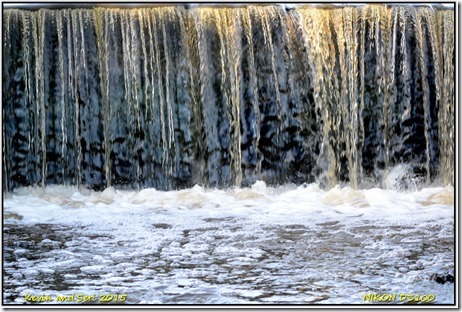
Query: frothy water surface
{"x":258,"y":245}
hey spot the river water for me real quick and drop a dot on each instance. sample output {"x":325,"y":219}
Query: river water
{"x":113,"y":117}
{"x":257,"y":245}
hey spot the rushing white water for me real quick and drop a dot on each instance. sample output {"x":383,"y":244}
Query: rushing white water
{"x":246,"y":245}
{"x":355,"y":105}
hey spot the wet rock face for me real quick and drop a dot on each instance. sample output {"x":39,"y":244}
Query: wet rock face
{"x":169,"y":97}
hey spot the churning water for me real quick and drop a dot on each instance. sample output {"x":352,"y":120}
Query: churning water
{"x":253,"y":154}
{"x":285,"y":245}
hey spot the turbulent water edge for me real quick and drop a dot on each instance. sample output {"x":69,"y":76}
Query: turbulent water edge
{"x":285,"y":245}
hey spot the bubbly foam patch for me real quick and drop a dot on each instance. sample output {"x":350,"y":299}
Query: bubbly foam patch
{"x":251,"y":245}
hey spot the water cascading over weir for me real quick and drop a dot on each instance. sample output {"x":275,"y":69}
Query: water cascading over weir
{"x":172,"y":96}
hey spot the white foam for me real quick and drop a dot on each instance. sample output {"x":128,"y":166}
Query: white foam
{"x":204,"y":244}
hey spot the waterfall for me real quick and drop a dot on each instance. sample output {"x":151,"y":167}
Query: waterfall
{"x":169,"y":96}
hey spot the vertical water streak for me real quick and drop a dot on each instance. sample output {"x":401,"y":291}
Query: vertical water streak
{"x":101,"y":23}
{"x":156,"y":91}
{"x":318,"y":41}
{"x":228,"y":29}
{"x":71,"y":91}
{"x":434,"y":104}
{"x":59,"y":25}
{"x":345,"y":22}
{"x":6,"y":145}
{"x":266,"y":15}
{"x":248,"y":32}
{"x":362,"y":86}
{"x":383,"y":20}
{"x":168,"y":88}
{"x":446,"y":113}
{"x":106,"y":107}
{"x":146,"y":104}
{"x":197,"y":122}
{"x":392,"y":91}
{"x":161,"y":100}
{"x":134,"y":68}
{"x":203,"y":26}
{"x":125,"y":29}
{"x":374,"y":107}
{"x":355,"y":106}
{"x":422,"y":44}
{"x":234,"y":26}
{"x":130,"y":119}
{"x":28,"y":89}
{"x":168,"y":78}
{"x":142,"y":13}
{"x":25,"y":16}
{"x":134,"y":64}
{"x":84,"y":96}
{"x":182,"y":85}
{"x":39,"y":32}
{"x":75,"y":77}
{"x":219,"y":19}
{"x":403,"y":107}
